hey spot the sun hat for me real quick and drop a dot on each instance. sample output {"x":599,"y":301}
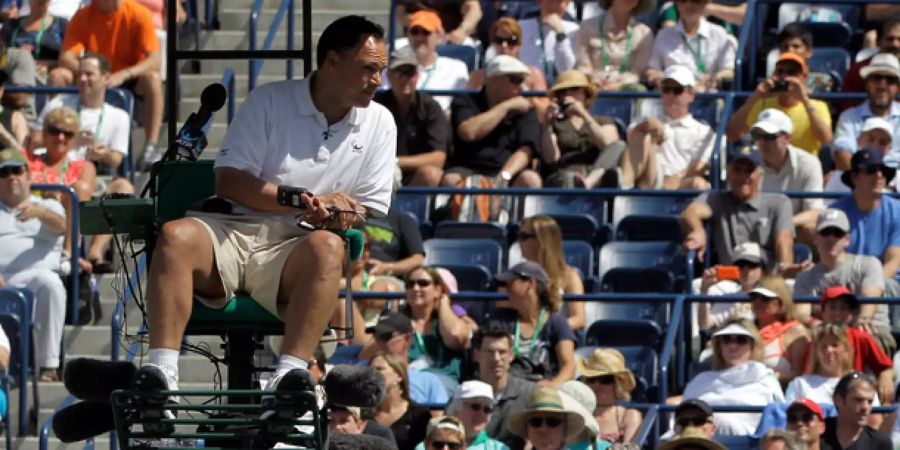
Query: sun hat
{"x":607,"y":361}
{"x":573,"y":79}
{"x":692,"y":437}
{"x":545,"y":399}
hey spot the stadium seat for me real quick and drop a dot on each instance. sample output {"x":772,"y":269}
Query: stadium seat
{"x":802,"y":252}
{"x":460,"y":252}
{"x":707,"y":110}
{"x":579,"y":216}
{"x":637,"y":280}
{"x":618,"y":108}
{"x":418,"y":206}
{"x":647,"y":218}
{"x":651,"y":256}
{"x":15,"y":317}
{"x":464,"y":53}
{"x":580,"y":255}
{"x":470,"y":277}
{"x":793,"y":12}
{"x":472,"y":230}
{"x":639,"y":341}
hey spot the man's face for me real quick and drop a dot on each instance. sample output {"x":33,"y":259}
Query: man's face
{"x":795,"y":45}
{"x":344,"y":422}
{"x":424,"y":42}
{"x":404,"y":79}
{"x":506,"y":87}
{"x":695,"y":418}
{"x":494,"y":357}
{"x":676,"y":98}
{"x":15,"y":184}
{"x":771,"y":143}
{"x":876,"y":138}
{"x":89,"y":78}
{"x":774,"y":444}
{"x":475,"y":414}
{"x":743,"y":179}
{"x":359,"y":71}
{"x":837,"y":311}
{"x":857,"y":405}
{"x":788,"y":69}
{"x":397,"y":343}
{"x":881,"y":88}
{"x":806,"y":424}
{"x":870,"y":179}
{"x":890,"y":42}
{"x":831,"y":241}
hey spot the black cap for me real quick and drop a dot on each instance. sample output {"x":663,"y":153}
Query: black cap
{"x":745,"y":153}
{"x":694,"y":403}
{"x":390,"y":322}
{"x":863,"y":158}
{"x":526,"y":269}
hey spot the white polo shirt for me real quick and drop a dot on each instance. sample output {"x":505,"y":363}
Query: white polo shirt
{"x":30,"y":244}
{"x":686,"y":140}
{"x":801,"y":172}
{"x":279,"y":136}
{"x":714,"y":45}
{"x":445,"y":73}
{"x":114,"y":123}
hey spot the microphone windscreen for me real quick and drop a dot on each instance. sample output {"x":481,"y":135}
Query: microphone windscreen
{"x":213,"y":96}
{"x":342,"y":441}
{"x":83,"y":420}
{"x":354,"y":386}
{"x":96,"y":379}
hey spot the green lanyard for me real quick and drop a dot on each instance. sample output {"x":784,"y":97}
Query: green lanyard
{"x":604,"y":58}
{"x":420,"y":343}
{"x":37,"y":39}
{"x":548,"y":70}
{"x":701,"y":66}
{"x":430,"y":71}
{"x":534,"y":336}
{"x":99,"y":119}
{"x":62,"y":172}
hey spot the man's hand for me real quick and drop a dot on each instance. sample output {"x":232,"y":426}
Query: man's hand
{"x":886,"y":387}
{"x":98,"y":153}
{"x":655,"y":129}
{"x":379,"y":267}
{"x":791,"y":270}
{"x":116,"y":79}
{"x":797,"y":88}
{"x":517,"y":104}
{"x":764,"y":88}
{"x":318,"y":210}
{"x":457,"y":36}
{"x":30,"y":211}
{"x":710,"y":277}
{"x":696,"y":240}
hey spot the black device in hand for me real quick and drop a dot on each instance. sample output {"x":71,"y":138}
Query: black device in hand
{"x":561,"y":115}
{"x":290,"y":196}
{"x":780,"y":86}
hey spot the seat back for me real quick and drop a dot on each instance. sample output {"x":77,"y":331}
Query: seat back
{"x":15,"y":317}
{"x":618,"y":108}
{"x":472,"y":230}
{"x":648,"y":218}
{"x":579,"y":216}
{"x":484,"y":252}
{"x":470,"y":277}
{"x":650,"y":254}
{"x":580,"y":255}
{"x":707,"y":110}
{"x":624,"y":332}
{"x":641,"y":361}
{"x":638,"y":279}
{"x":464,"y":53}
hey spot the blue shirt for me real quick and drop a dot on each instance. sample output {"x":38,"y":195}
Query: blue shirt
{"x":426,"y":388}
{"x":873,"y":232}
{"x":849,"y":126}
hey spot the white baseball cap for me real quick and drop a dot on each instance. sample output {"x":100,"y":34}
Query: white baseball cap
{"x":764,"y":292}
{"x":748,"y":251}
{"x":474,"y":389}
{"x":734,"y":329}
{"x":773,"y":121}
{"x":884,"y":63}
{"x":681,"y":75}
{"x":878,"y":123}
{"x":506,"y":65}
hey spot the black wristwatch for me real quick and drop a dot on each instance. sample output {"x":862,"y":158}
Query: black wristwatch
{"x":560,"y":37}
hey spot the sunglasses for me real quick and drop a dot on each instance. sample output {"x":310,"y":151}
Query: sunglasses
{"x":477,"y":407}
{"x":800,"y":416}
{"x":889,"y":79}
{"x":516,"y":79}
{"x":685,"y":422}
{"x":539,"y":421}
{"x":13,"y":170}
{"x":54,"y":131}
{"x":440,"y":445}
{"x":763,"y":136}
{"x":675,"y":90}
{"x":419,"y":31}
{"x":510,"y":41}
{"x":735,"y":339}
{"x":406,"y":71}
{"x":747,"y":264}
{"x":602,"y":379}
{"x":871,"y":169}
{"x":832,"y":232}
{"x":524,"y":236}
{"x":421,"y":282}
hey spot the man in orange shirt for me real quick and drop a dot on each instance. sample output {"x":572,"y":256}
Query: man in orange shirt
{"x":123,"y":32}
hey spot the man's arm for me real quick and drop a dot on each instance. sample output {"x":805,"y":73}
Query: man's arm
{"x":150,"y":63}
{"x":737,"y":125}
{"x":891,"y":262}
{"x":471,"y":12}
{"x":68,"y":60}
{"x":819,"y":121}
{"x":434,"y":158}
{"x":54,"y":222}
{"x":518,"y":161}
{"x":732,"y":14}
{"x":477,"y":127}
{"x":691,"y":221}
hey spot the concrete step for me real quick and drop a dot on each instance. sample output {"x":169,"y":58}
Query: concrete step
{"x":193,"y":85}
{"x":239,"y":18}
{"x":89,"y":340}
{"x":32,"y":443}
{"x":270,"y":68}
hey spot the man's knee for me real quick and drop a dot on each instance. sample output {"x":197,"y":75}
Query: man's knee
{"x":60,"y":76}
{"x":148,"y":82}
{"x":182,"y":237}
{"x":120,"y":186}
{"x":528,"y":179}
{"x":451,"y":179}
{"x":325,"y":247}
{"x":428,"y":175}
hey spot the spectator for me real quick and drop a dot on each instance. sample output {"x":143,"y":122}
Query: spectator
{"x":577,"y":396}
{"x":874,"y":218}
{"x":786,"y":90}
{"x":422,"y":130}
{"x":31,"y":231}
{"x":406,"y":419}
{"x":158,"y":11}
{"x":671,"y":151}
{"x":444,"y":432}
{"x":123,"y":32}
{"x":614,"y":48}
{"x":839,"y":306}
{"x":605,"y":373}
{"x":861,"y":274}
{"x":726,"y":14}
{"x":472,"y":404}
{"x":881,"y":77}
{"x":876,"y":133}
{"x":785,"y":340}
{"x":705,"y":48}
{"x":425,"y":32}
{"x":853,"y":399}
{"x":20,"y":66}
{"x":461,"y":17}
{"x":540,"y":239}
{"x":576,"y":146}
{"x":806,"y":419}
{"x":506,"y":39}
{"x":496,"y":131}
{"x":396,"y":244}
{"x":544,"y":342}
{"x":696,"y":414}
{"x":738,"y":378}
{"x":346,"y":419}
{"x":13,"y":125}
{"x":743,"y":214}
{"x":361,"y":281}
{"x":778,"y":439}
{"x":40,"y":34}
{"x":548,"y":39}
{"x":889,"y":43}
{"x":749,"y":260}
{"x":796,"y":38}
{"x":371,"y":427}
{"x":692,"y":439}
{"x":545,"y":423}
{"x":788,"y":168}
{"x":493,"y":352}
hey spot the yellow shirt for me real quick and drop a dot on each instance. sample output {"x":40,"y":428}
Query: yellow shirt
{"x":802,"y":136}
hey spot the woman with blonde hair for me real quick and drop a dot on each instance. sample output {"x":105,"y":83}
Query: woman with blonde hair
{"x":540,"y":240}
{"x":406,"y":419}
{"x":614,"y":48}
{"x":785,"y":339}
{"x":445,"y":432}
{"x":605,"y":373}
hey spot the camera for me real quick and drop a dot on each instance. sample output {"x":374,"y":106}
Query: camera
{"x":561,"y":115}
{"x":290,"y":196}
{"x":780,"y":86}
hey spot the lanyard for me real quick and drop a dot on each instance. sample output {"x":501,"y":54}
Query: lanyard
{"x":548,"y":70}
{"x":604,"y":58}
{"x":37,"y":39}
{"x":62,"y":172}
{"x":534,"y":336}
{"x":99,"y":119}
{"x":430,"y":72}
{"x":420,"y":343}
{"x":701,"y":66}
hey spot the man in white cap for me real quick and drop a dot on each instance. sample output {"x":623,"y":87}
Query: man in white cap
{"x":472,"y":404}
{"x":876,"y":133}
{"x":750,"y":263}
{"x":671,"y":151}
{"x":788,"y":168}
{"x":881,"y":79}
{"x":496,"y":132}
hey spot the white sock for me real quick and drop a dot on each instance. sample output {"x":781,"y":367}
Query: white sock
{"x":167,"y":360}
{"x":286,"y":363}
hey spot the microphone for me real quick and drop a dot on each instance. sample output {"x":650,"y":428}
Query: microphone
{"x":326,"y":134}
{"x":96,"y":379}
{"x":343,"y":441}
{"x":191,"y":139}
{"x":348,"y":385}
{"x":83,"y":420}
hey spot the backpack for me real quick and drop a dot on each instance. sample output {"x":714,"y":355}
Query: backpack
{"x":479,"y":208}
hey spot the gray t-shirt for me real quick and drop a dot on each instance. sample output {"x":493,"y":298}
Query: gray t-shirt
{"x":29,"y":244}
{"x":756,"y":220}
{"x":855,"y":273}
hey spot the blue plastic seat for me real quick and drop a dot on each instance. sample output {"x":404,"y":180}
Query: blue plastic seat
{"x":461,"y":252}
{"x":616,"y":107}
{"x":470,"y":277}
{"x":580,"y":255}
{"x":641,"y":255}
{"x":647,"y":218}
{"x":418,"y":206}
{"x":464,"y":53}
{"x":802,"y":252}
{"x":639,"y":342}
{"x":638,"y":280}
{"x":706,"y":110}
{"x":831,"y":60}
{"x":472,"y":230}
{"x":579,"y":216}
{"x":15,"y":310}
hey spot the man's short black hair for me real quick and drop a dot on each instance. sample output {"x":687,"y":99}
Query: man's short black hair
{"x":493,"y":330}
{"x":345,"y":34}
{"x":101,"y":60}
{"x":796,"y":31}
{"x":852,"y":378}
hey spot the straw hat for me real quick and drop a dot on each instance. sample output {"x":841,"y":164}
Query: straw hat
{"x":607,"y":361}
{"x":578,"y":397}
{"x":574,"y":79}
{"x":694,"y":437}
{"x":545,"y":400}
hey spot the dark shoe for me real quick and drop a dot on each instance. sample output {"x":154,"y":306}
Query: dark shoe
{"x":150,"y":378}
{"x":281,"y":409}
{"x":610,"y":179}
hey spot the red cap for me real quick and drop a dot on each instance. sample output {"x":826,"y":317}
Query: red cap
{"x":810,"y":405}
{"x":838,"y":291}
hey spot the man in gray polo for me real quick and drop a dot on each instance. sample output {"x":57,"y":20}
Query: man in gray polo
{"x":743,"y":214}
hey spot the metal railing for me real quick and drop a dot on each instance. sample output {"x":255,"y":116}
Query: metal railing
{"x":284,"y":7}
{"x":228,"y":80}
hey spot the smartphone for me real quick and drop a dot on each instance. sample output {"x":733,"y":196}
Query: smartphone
{"x":728,"y":273}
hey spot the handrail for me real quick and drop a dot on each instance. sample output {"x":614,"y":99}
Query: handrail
{"x":74,"y":234}
{"x":649,"y":426}
{"x":668,"y":344}
{"x":749,"y":19}
{"x":44,"y":432}
{"x":255,"y":65}
{"x":228,"y":80}
{"x":715,"y":162}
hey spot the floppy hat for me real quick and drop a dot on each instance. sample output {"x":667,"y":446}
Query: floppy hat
{"x":573,"y":79}
{"x":865,"y":157}
{"x":883,"y":63}
{"x":545,"y":399}
{"x":692,"y":437}
{"x":578,"y":397}
{"x":607,"y":361}
{"x":506,"y":65}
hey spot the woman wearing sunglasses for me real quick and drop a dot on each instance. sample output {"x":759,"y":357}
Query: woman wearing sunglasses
{"x":738,"y":378}
{"x":543,"y":341}
{"x":614,"y":47}
{"x":445,"y":433}
{"x":546,"y":424}
{"x":540,"y":240}
{"x":785,"y":339}
{"x":406,"y":419}
{"x":605,"y":373}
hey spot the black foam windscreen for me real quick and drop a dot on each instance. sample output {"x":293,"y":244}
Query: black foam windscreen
{"x":354,"y":386}
{"x":96,"y":379}
{"x":83,"y":420}
{"x":341,"y":441}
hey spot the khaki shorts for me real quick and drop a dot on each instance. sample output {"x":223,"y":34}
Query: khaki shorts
{"x":250,"y":255}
